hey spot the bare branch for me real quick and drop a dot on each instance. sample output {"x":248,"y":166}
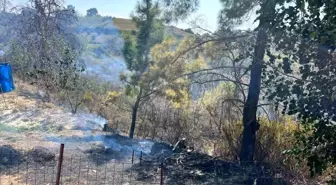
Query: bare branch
{"x":216,"y":80}
{"x":228,"y":38}
{"x":210,"y":69}
{"x":285,"y":74}
{"x":266,"y":113}
{"x":264,"y":104}
{"x":222,"y":78}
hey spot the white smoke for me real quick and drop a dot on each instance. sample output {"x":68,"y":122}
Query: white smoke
{"x":89,"y":121}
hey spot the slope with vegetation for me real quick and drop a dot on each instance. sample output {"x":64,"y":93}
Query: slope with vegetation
{"x":243,"y":79}
{"x":102,"y":43}
{"x":103,"y":39}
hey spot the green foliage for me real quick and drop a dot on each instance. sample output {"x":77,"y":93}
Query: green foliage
{"x":189,"y":30}
{"x":154,"y":68}
{"x":235,"y":10}
{"x":92,"y":12}
{"x":168,"y":69}
{"x":19,"y":58}
{"x":38,"y":45}
{"x":175,"y":10}
{"x":137,"y":49}
{"x":211,"y":97}
{"x":130,"y":51}
{"x":302,"y":79}
{"x":69,"y":79}
{"x":47,"y":54}
{"x":146,"y":18}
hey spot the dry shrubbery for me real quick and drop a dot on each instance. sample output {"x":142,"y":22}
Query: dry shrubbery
{"x":166,"y":123}
{"x":210,"y":125}
{"x":201,"y":123}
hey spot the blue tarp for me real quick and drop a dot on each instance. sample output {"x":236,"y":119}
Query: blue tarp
{"x":6,"y":78}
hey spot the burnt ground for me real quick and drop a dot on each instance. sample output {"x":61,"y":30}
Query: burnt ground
{"x":38,"y":166}
{"x":197,"y":168}
{"x":31,"y":132}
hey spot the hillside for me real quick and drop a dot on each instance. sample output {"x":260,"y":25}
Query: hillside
{"x":128,"y":25}
{"x":124,"y":24}
{"x":102,"y":37}
{"x":102,"y":47}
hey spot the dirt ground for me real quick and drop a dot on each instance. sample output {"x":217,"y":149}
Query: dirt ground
{"x":90,"y":157}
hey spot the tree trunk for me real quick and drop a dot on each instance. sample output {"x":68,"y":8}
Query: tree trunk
{"x":250,"y":108}
{"x":134,"y":114}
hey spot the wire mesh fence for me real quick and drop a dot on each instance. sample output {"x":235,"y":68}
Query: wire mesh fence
{"x":18,"y":167}
{"x":41,"y":166}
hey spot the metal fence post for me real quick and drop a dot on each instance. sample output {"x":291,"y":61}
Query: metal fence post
{"x":59,"y":167}
{"x":132,"y":156}
{"x":161,"y":175}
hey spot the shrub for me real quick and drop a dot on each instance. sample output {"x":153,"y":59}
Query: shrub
{"x":273,"y":139}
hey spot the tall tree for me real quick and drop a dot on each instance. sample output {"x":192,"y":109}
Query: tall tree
{"x":233,"y":12}
{"x":136,"y":51}
{"x":149,"y":19}
{"x":41,"y":34}
{"x":301,"y":75}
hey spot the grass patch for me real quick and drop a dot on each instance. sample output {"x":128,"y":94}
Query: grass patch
{"x":7,"y":128}
{"x":30,"y":127}
{"x":124,"y":24}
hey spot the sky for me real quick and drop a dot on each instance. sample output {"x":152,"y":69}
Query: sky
{"x":207,"y":14}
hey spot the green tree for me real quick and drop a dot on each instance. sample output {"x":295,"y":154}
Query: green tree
{"x":70,"y":82}
{"x":92,"y":12}
{"x":189,"y":30}
{"x":39,"y":42}
{"x":136,"y":51}
{"x":148,"y":17}
{"x":301,"y":75}
{"x":233,"y":13}
{"x":175,"y":10}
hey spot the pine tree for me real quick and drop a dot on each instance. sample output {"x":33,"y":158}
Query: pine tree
{"x":233,"y":13}
{"x":137,"y":51}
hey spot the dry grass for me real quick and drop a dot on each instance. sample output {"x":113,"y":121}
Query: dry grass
{"x":129,"y":25}
{"x":124,"y":24}
{"x":10,"y":179}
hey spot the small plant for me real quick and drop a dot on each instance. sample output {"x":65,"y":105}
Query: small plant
{"x":70,"y":81}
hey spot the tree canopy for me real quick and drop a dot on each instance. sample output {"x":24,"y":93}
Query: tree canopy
{"x":91,"y":12}
{"x":300,"y":72}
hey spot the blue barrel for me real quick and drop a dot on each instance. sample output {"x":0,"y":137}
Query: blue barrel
{"x":6,"y":78}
